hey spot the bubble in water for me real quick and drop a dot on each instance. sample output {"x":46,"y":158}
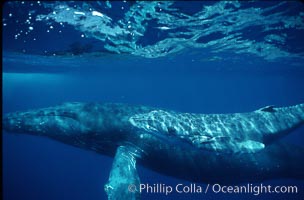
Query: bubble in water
{"x":31,"y":28}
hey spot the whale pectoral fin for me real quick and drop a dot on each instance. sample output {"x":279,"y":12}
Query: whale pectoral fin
{"x":249,"y":146}
{"x":124,"y":180}
{"x":228,"y":144}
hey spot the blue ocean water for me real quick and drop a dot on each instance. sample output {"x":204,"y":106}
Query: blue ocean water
{"x":200,"y":57}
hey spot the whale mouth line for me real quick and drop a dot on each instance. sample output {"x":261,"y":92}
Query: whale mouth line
{"x":13,"y":120}
{"x":40,"y":115}
{"x":63,"y":116}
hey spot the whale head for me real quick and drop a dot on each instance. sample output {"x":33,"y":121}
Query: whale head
{"x":66,"y":119}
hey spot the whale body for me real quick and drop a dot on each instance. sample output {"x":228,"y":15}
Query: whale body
{"x":210,"y":148}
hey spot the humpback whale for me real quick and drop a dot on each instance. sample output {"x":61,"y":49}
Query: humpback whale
{"x":221,"y":148}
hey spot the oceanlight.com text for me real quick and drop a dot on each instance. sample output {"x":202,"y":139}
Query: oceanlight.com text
{"x":194,"y":188}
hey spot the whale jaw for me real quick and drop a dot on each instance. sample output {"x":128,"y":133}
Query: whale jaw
{"x":45,"y":122}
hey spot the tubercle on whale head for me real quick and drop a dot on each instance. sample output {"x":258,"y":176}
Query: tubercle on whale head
{"x":60,"y":120}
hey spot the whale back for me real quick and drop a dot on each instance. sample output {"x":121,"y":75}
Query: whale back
{"x":237,"y":132}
